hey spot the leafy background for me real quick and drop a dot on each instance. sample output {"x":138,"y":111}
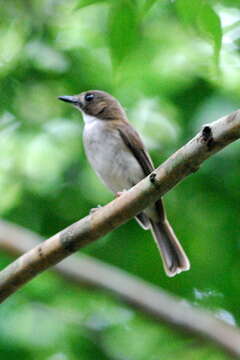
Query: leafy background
{"x":174,"y":65}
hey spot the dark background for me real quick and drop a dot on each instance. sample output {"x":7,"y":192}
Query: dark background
{"x":174,"y":66}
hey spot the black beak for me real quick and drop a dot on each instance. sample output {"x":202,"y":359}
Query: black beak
{"x":70,"y":99}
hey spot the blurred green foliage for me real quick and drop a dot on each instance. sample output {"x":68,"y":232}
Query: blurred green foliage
{"x":174,"y":65}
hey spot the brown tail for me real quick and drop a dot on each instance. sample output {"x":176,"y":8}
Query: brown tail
{"x":174,"y":258}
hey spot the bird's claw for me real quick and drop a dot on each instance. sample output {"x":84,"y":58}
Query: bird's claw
{"x":93,"y":210}
{"x":119,"y":193}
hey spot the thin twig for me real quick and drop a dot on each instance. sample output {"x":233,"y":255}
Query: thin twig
{"x":153,"y":301}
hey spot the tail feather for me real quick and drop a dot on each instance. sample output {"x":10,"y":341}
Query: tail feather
{"x":174,"y":258}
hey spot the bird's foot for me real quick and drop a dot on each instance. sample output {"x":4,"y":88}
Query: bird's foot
{"x":93,"y":210}
{"x":119,"y":193}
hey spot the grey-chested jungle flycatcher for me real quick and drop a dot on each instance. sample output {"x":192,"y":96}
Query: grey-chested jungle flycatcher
{"x":117,"y":154}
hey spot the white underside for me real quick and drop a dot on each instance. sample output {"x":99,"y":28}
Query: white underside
{"x":109,"y":156}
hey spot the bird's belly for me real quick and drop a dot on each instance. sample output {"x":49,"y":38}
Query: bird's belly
{"x":120,"y":172}
{"x":112,"y":160}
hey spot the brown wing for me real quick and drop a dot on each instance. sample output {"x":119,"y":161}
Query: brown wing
{"x":135,"y":144}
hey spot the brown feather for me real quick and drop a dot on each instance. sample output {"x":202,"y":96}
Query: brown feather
{"x":135,"y":144}
{"x":133,"y":141}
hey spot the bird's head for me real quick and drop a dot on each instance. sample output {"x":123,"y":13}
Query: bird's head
{"x":96,"y":103}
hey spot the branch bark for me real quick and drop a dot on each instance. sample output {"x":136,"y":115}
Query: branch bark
{"x":186,"y":160}
{"x":148,"y":298}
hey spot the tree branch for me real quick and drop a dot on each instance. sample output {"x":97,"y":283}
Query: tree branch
{"x":211,"y":139}
{"x":150,"y":299}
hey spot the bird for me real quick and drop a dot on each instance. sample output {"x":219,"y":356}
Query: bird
{"x":117,"y":154}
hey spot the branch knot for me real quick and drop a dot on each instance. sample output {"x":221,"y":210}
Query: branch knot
{"x":207,"y":137}
{"x":152,"y":178}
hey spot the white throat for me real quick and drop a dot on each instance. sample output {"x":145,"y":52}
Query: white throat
{"x":88,"y":119}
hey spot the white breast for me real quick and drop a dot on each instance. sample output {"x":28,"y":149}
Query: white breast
{"x":109,"y":156}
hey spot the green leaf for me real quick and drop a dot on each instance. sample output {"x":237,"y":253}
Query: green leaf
{"x":210,"y":25}
{"x":123,"y":29}
{"x":230,"y":3}
{"x":148,"y":5}
{"x":188,"y":11}
{"x":84,"y":3}
{"x":203,"y":17}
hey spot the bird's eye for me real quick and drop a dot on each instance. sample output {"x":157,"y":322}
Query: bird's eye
{"x":89,"y":97}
